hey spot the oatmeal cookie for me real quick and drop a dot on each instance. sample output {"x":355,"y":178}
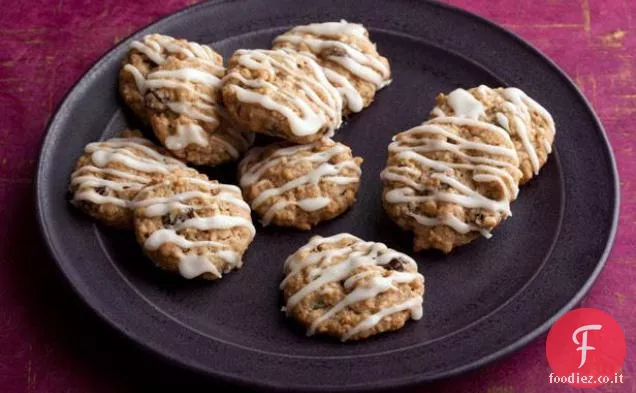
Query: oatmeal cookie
{"x":300,"y":185}
{"x":450,"y":180}
{"x":281,"y":93}
{"x":345,"y":287}
{"x":110,"y":174}
{"x":529,"y":124}
{"x":191,"y":225}
{"x":182,"y":100}
{"x":350,"y":60}
{"x":145,"y":55}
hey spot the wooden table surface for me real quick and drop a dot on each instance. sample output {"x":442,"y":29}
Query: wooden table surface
{"x":49,"y":341}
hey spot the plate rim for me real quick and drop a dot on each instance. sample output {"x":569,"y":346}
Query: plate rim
{"x":400,"y":382}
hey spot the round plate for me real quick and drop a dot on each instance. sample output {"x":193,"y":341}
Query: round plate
{"x":483,"y":301}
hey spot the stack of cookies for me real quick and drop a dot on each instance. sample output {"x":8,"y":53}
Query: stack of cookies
{"x":448,"y":180}
{"x":185,"y":222}
{"x":453,"y":178}
{"x":204,"y":114}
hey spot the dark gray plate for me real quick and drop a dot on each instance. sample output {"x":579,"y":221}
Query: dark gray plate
{"x":483,"y":301}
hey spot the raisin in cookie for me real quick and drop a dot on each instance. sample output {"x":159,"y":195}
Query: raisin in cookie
{"x":191,"y":225}
{"x":183,"y":104}
{"x":450,"y":180}
{"x":345,"y":287}
{"x":110,"y":174}
{"x":350,"y":60}
{"x":145,"y":55}
{"x":281,"y":93}
{"x":300,"y":185}
{"x":529,"y":124}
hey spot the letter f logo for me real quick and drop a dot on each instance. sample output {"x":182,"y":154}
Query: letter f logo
{"x":574,"y":335}
{"x":584,"y":347}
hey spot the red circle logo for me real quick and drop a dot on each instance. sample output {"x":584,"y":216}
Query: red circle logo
{"x":586,"y":349}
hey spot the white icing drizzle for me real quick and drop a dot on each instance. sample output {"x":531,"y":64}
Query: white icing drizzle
{"x":159,"y":206}
{"x":115,"y":150}
{"x":414,"y":305}
{"x":333,"y":29}
{"x":451,"y":221}
{"x":411,"y":144}
{"x":140,"y":80}
{"x":322,"y":38}
{"x":192,"y":264}
{"x":323,"y":171}
{"x":93,"y":197}
{"x":162,"y":236}
{"x":121,"y":151}
{"x":184,"y":78}
{"x":111,"y":171}
{"x":502,"y":120}
{"x":465,"y":105}
{"x":187,"y":134}
{"x":351,"y":95}
{"x":297,"y":109}
{"x":105,"y":155}
{"x":92,"y":181}
{"x":323,"y":270}
{"x":183,"y":74}
{"x":204,"y":109}
{"x":520,"y":105}
{"x":516,"y":117}
{"x":158,"y":47}
{"x":194,"y":110}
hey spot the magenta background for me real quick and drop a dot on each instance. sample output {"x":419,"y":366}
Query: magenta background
{"x":49,"y":342}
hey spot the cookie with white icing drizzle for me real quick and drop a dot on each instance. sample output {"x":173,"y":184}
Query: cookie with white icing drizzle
{"x":530,"y":125}
{"x":192,"y":226}
{"x":351,"y":61}
{"x":183,"y":102}
{"x":148,"y":53}
{"x":351,"y":289}
{"x":281,"y":93}
{"x":110,"y":174}
{"x":300,"y":185}
{"x":174,"y":85}
{"x":450,"y":180}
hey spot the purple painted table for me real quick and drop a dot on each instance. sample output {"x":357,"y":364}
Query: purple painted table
{"x":49,"y":342}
